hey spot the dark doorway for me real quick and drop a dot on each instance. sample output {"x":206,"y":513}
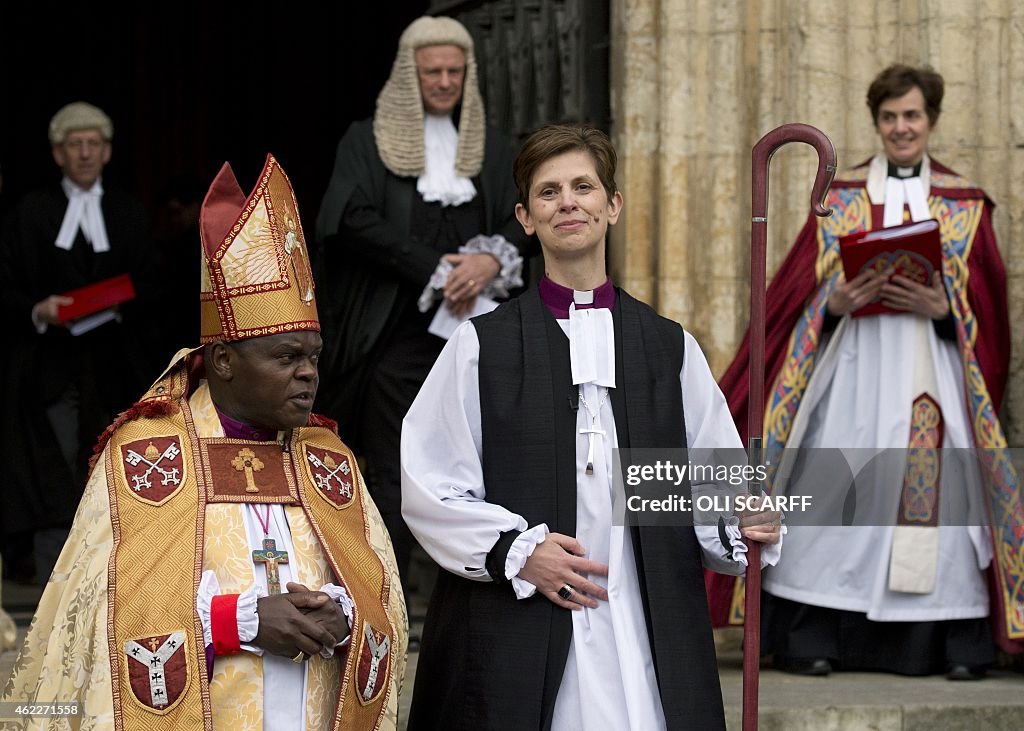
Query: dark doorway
{"x":192,"y":85}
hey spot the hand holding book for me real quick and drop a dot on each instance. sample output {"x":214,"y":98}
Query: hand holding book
{"x":47,"y":311}
{"x":892,"y":270}
{"x":93,"y":298}
{"x":905,"y":295}
{"x":863,"y":289}
{"x":86,"y":308}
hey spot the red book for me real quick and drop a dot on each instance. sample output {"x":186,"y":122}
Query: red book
{"x":97,"y":296}
{"x":913,"y":250}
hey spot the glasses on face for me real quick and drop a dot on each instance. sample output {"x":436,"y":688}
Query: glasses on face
{"x":87,"y":143}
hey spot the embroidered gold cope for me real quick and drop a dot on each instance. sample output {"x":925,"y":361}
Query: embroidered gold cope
{"x":131,"y":569}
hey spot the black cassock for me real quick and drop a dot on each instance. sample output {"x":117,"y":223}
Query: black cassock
{"x":379,"y":244}
{"x":103,"y":370}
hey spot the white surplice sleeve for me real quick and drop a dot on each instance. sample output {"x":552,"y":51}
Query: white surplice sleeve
{"x":443,"y":496}
{"x":245,"y":611}
{"x":709,"y":426}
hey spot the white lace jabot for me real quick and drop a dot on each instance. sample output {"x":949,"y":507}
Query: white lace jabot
{"x":439,"y":183}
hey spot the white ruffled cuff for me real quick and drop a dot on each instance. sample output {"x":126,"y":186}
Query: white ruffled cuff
{"x":432,"y":291}
{"x":245,"y":611}
{"x":508,"y":277}
{"x":343,"y":600}
{"x":249,"y":622}
{"x":520,"y":550}
{"x":770,"y":552}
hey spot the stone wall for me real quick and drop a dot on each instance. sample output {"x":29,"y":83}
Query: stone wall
{"x":695,"y":83}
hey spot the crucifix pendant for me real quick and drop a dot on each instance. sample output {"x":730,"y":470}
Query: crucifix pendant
{"x":590,"y":446}
{"x":271,"y":557}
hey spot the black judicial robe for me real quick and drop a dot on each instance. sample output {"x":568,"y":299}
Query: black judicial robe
{"x":491,"y":661}
{"x":110,"y":366}
{"x":366,"y":274}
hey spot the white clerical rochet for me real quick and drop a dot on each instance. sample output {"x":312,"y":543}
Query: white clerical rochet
{"x":377,"y":653}
{"x":155,"y":660}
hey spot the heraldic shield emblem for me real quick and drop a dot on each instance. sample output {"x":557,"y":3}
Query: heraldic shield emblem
{"x":332,"y":475}
{"x":157,"y":670}
{"x":153,"y":468}
{"x":374,"y":664}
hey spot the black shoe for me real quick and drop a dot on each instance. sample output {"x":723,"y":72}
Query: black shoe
{"x":414,"y":643}
{"x":817,"y":666}
{"x":959,"y":671}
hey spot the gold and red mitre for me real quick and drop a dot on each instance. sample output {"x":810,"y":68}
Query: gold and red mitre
{"x":256,"y":277}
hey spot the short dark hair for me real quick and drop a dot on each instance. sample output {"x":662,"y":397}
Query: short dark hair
{"x":898,"y":79}
{"x":557,"y":139}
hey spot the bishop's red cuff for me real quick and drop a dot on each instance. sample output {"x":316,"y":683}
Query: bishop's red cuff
{"x":224,"y":624}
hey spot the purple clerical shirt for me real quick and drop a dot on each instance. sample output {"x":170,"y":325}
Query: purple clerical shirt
{"x":558,"y":298}
{"x":235,"y":429}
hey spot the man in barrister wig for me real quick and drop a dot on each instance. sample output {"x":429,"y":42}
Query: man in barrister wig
{"x":226,"y":568}
{"x":418,"y":216}
{"x":903,"y":589}
{"x":61,"y":389}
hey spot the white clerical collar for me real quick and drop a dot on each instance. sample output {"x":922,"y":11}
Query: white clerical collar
{"x":439,"y":183}
{"x":591,"y":342}
{"x":878,"y":174}
{"x":84,"y":211}
{"x":894,"y":193}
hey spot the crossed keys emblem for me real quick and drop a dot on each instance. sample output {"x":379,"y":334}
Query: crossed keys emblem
{"x":153,"y":457}
{"x":331,"y":470}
